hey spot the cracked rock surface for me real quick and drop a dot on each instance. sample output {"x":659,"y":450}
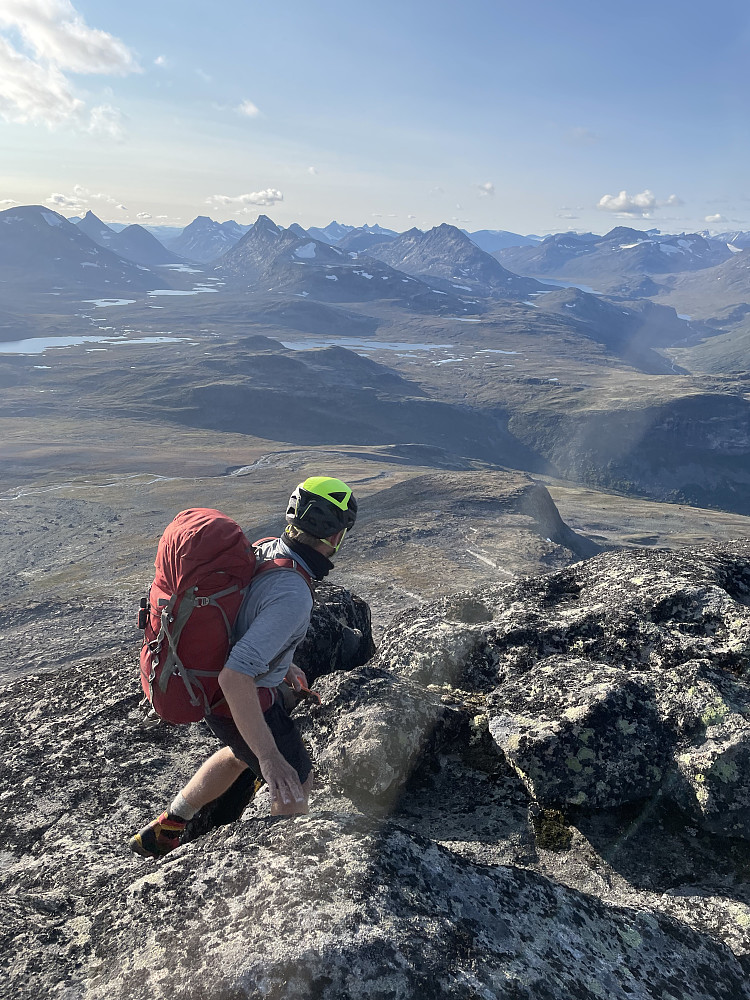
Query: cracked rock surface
{"x":534,"y":790}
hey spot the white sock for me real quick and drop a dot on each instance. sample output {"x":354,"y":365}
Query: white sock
{"x":181,"y":808}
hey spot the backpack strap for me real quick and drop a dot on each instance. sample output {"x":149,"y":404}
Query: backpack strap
{"x":284,"y":563}
{"x":279,"y":563}
{"x":172,"y":624}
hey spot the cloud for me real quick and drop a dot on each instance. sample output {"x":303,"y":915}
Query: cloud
{"x":63,"y":201}
{"x":638,"y":205}
{"x":567,"y":215}
{"x":714,"y":218}
{"x":59,"y":36}
{"x":8,"y":201}
{"x":144,"y":216}
{"x":30,"y":92}
{"x":160,"y":61}
{"x":268,"y":197}
{"x":80,"y":197}
{"x":204,"y":76}
{"x":162,"y":216}
{"x":107,"y":121}
{"x":99,"y":196}
{"x":582,"y":136}
{"x":122,"y":208}
{"x":248,"y":109}
{"x":33,"y":85}
{"x":411,"y":216}
{"x":486,"y":190}
{"x":312,"y":170}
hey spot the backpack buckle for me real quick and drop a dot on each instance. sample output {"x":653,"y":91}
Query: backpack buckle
{"x":202,"y":602}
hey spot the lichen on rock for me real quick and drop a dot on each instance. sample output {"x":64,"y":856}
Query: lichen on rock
{"x":537,"y":789}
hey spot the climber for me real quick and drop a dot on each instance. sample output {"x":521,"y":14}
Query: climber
{"x":272,"y":621}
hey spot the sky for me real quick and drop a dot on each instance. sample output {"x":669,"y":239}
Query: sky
{"x":535,"y":118}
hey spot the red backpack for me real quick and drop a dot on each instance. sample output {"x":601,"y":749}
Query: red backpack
{"x":204,"y":565}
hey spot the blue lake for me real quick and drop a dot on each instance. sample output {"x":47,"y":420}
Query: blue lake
{"x":38,"y":345}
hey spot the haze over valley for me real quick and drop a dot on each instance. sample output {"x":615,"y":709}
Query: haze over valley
{"x":226,"y":356}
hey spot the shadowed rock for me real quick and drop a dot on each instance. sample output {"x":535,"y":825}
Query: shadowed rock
{"x":402,"y":881}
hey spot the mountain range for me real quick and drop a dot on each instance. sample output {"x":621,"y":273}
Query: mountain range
{"x":618,"y":261}
{"x":204,"y":240}
{"x":448,"y":254}
{"x":40,"y":249}
{"x":134,"y":243}
{"x":279,"y":260}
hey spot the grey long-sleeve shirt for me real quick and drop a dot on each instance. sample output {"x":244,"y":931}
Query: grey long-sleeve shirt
{"x":272,"y":621}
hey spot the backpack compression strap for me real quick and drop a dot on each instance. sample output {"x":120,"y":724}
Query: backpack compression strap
{"x":281,"y":562}
{"x":289,"y":564}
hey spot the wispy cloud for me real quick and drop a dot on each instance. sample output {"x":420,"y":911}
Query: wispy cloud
{"x":63,"y":201}
{"x":637,"y":205}
{"x":107,"y":121}
{"x":34,"y":87}
{"x":248,"y":109}
{"x":714,"y":218}
{"x":268,"y":197}
{"x":86,"y":195}
{"x":486,"y":190}
{"x":8,"y":201}
{"x":312,"y":170}
{"x":79,"y":198}
{"x":58,"y":35}
{"x":160,"y":61}
{"x":143,"y":216}
{"x":582,"y":136}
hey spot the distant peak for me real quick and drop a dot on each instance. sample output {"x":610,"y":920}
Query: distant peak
{"x":446,"y":229}
{"x":265,"y":225}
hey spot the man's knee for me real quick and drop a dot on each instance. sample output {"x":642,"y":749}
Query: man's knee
{"x":230,"y":760}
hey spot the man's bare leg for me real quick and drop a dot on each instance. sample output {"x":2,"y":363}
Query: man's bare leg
{"x":213,"y":778}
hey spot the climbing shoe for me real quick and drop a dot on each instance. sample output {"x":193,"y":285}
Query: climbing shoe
{"x":159,"y":837}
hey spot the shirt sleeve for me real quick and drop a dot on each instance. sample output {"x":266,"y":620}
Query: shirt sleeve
{"x":279,"y":625}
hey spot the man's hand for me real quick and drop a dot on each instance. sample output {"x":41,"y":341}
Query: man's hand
{"x":282,"y":780}
{"x":295,"y":678}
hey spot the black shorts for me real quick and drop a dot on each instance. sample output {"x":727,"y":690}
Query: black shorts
{"x":284,"y":732}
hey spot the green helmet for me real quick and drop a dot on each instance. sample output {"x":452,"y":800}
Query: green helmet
{"x":322,"y":506}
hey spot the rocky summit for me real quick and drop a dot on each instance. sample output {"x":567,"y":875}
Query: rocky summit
{"x":537,"y":790}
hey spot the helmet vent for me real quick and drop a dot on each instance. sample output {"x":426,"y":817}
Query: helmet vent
{"x":339,"y":496}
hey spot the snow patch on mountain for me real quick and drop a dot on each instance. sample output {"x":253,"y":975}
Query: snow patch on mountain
{"x":307,"y":251}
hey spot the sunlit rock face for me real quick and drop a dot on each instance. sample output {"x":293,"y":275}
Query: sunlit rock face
{"x":622,"y":677}
{"x":537,"y":789}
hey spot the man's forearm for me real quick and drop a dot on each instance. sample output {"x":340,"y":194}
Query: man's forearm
{"x":241,"y":694}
